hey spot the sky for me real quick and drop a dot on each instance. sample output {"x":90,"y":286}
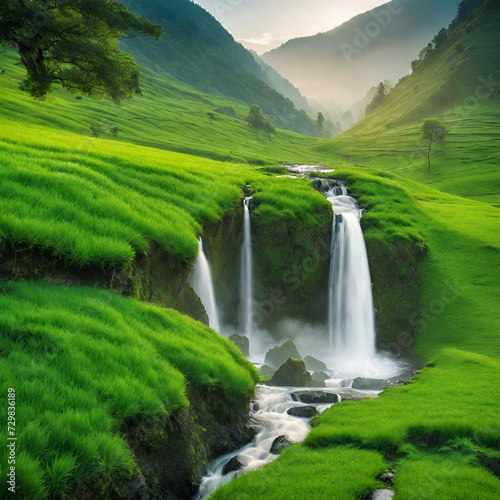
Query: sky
{"x":263,"y":25}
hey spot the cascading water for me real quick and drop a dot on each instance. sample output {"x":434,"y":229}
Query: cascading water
{"x":351,"y":321}
{"x":246,"y":276}
{"x":201,"y":281}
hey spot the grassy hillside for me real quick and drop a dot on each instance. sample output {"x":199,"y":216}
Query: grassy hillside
{"x":85,"y":365}
{"x":197,"y":50}
{"x":167,"y":117}
{"x":440,"y":431}
{"x":458,"y":84}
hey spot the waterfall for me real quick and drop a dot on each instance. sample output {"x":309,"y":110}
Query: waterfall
{"x":201,"y":280}
{"x":351,"y":321}
{"x":246,"y":275}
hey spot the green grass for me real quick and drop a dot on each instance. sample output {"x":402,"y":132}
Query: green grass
{"x":87,"y":202}
{"x":85,"y":364}
{"x":302,"y":473}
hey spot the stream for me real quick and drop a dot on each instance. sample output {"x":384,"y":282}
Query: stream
{"x":271,"y":421}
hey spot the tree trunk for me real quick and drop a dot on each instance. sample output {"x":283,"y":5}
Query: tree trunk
{"x":429,"y":157}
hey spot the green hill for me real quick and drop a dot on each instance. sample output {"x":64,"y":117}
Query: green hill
{"x":198,"y":51}
{"x":168,"y":117}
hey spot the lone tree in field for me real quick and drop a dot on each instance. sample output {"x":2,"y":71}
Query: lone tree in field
{"x":320,"y":123}
{"x":74,"y":43}
{"x":211,"y":117}
{"x":433,"y":131}
{"x":257,"y":120}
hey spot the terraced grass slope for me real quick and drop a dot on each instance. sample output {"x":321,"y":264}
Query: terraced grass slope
{"x":91,"y":203}
{"x":169,"y":116}
{"x":440,"y":432}
{"x":86,"y":364}
{"x":458,"y":83}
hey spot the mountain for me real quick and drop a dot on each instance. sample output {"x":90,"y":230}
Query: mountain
{"x":282,"y":85}
{"x":456,"y":81}
{"x":196,"y":50}
{"x":340,"y":66}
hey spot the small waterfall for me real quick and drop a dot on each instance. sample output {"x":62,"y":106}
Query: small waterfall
{"x":351,"y":321}
{"x":201,"y":281}
{"x":246,"y":276}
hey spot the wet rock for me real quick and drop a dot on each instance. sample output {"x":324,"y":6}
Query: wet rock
{"x":242,"y":342}
{"x":277,"y":356}
{"x":280,"y":443}
{"x":319,"y":378}
{"x":137,"y":488}
{"x":383,"y":494}
{"x":399,"y":379}
{"x":240,"y":436}
{"x":351,"y":395}
{"x":387,"y":477}
{"x":266,"y":372}
{"x":314,"y":365}
{"x":302,"y":411}
{"x":369,"y":384}
{"x":317,"y":397}
{"x":292,"y":374}
{"x":233,"y":465}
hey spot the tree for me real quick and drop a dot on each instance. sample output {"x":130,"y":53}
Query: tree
{"x":440,"y":38}
{"x":211,"y":117}
{"x":379,"y":95}
{"x":74,"y":43}
{"x":320,"y":123}
{"x":257,"y":120}
{"x":433,"y":131}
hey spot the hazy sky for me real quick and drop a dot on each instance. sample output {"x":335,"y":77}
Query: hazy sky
{"x":262,"y":25}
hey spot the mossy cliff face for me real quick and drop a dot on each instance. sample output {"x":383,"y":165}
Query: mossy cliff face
{"x":292,"y":261}
{"x":396,"y":292}
{"x":172,"y":458}
{"x":154,"y":278}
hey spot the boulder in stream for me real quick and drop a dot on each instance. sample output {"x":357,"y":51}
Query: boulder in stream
{"x":292,"y":374}
{"x":278,"y":355}
{"x":369,"y":384}
{"x":233,"y":465}
{"x":242,"y":342}
{"x":280,"y":443}
{"x":317,"y":397}
{"x":319,"y":378}
{"x":314,"y":365}
{"x":303,"y":411}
